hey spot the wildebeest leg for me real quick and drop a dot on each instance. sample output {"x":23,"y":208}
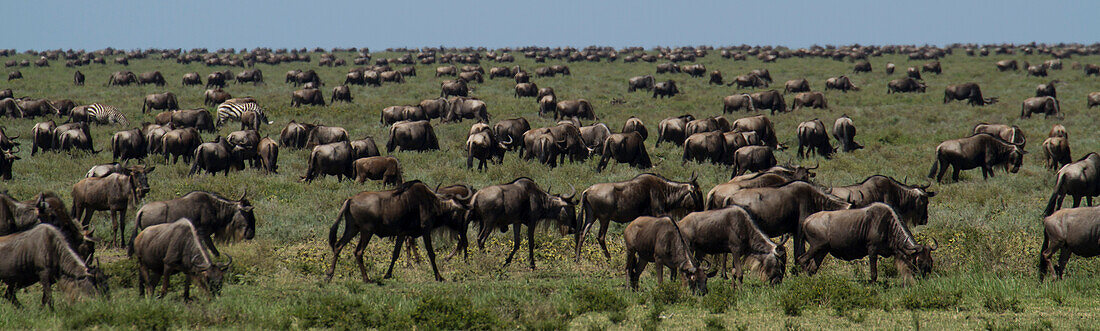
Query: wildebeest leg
{"x":872,"y":264}
{"x":600,"y":237}
{"x":738,"y":266}
{"x":186,"y":288}
{"x":143,"y":279}
{"x":431,"y":256}
{"x":1089,"y":200}
{"x":1076,"y":201}
{"x":412,"y":250}
{"x":209,"y":243}
{"x":531,"y":245}
{"x":121,"y":227}
{"x":167,"y":272}
{"x":349,"y":234}
{"x":1048,"y":250}
{"x":87,"y":219}
{"x":10,"y":295}
{"x":47,"y":288}
{"x":633,"y":268}
{"x":660,"y":273}
{"x":516,"y":228}
{"x":364,"y":238}
{"x":955,"y":174}
{"x":810,"y":261}
{"x":1063,"y":259}
{"x":396,"y":253}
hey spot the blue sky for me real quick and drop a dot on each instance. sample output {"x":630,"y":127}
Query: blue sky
{"x":47,"y":24}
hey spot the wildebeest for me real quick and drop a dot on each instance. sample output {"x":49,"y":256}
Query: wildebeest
{"x":129,"y":144}
{"x":594,"y":136}
{"x":1012,"y":134}
{"x":42,"y":256}
{"x":933,"y":67}
{"x":16,"y":216}
{"x":548,"y":104}
{"x":844,"y":131}
{"x":772,"y":177}
{"x":665,"y":89}
{"x":780,"y":210}
{"x":73,"y":136}
{"x":659,"y":240}
{"x":161,"y":101}
{"x":862,"y":66}
{"x":979,"y":150}
{"x":770,"y":99}
{"x":580,"y":109}
{"x":411,"y":210}
{"x":215,"y":156}
{"x":113,"y":193}
{"x":715,"y":78}
{"x":193,"y":118}
{"x":1005,"y":65}
{"x":384,"y":168}
{"x":341,"y":93}
{"x":702,"y":146}
{"x":1069,"y":232}
{"x":7,"y":142}
{"x":625,"y":148}
{"x":151,"y":77}
{"x":394,"y":114}
{"x":309,"y":96}
{"x":7,"y":160}
{"x":511,"y":131}
{"x":644,"y":195}
{"x":870,"y":231}
{"x":796,"y":85}
{"x":215,"y":96}
{"x":251,"y":75}
{"x":121,"y":78}
{"x":565,"y":138}
{"x":412,"y":136}
{"x":1079,"y":179}
{"x":1036,"y":70}
{"x":459,"y":108}
{"x":434,"y":108}
{"x":903,"y":85}
{"x":737,"y":102}
{"x":1092,"y":70}
{"x":295,"y":134}
{"x":454,"y":88}
{"x":321,"y":134}
{"x":672,"y":129}
{"x":913,"y":73}
{"x":1045,"y":105}
{"x":1093,"y":99}
{"x":910,"y":202}
{"x":78,"y":78}
{"x":484,"y":146}
{"x":841,"y":83}
{"x":526,"y":90}
{"x":216,"y":78}
{"x":209,"y":212}
{"x":1056,"y":152}
{"x":330,"y":159}
{"x":748,"y":80}
{"x":191,"y":78}
{"x":812,"y":136}
{"x":163,"y":250}
{"x":707,"y":124}
{"x":809,"y":99}
{"x":970,"y":92}
{"x":180,"y":142}
{"x":761,"y":125}
{"x":519,"y":203}
{"x":634,"y":124}
{"x":732,"y":230}
{"x":1047,"y":90}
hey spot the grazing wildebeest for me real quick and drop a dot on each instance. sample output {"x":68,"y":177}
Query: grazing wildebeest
{"x":871,"y":232}
{"x":634,"y":124}
{"x":772,"y":177}
{"x":1092,"y":70}
{"x":967,"y":91}
{"x":594,"y":136}
{"x":1046,"y":105}
{"x":384,"y":168}
{"x":209,"y":212}
{"x":484,"y":146}
{"x":933,"y":67}
{"x":412,"y":136}
{"x":411,"y":210}
{"x":1093,"y":99}
{"x":394,"y":114}
{"x":796,"y":85}
{"x":844,"y":131}
{"x":708,"y":124}
{"x":330,"y":159}
{"x":1047,"y":90}
{"x":267,"y":153}
{"x":1056,"y":152}
{"x":309,"y":96}
{"x":862,"y":66}
{"x":1069,"y":232}
{"x":7,"y":160}
{"x":295,"y":135}
{"x":511,"y":130}
{"x":736,"y":102}
{"x":42,"y":256}
{"x":715,"y":78}
{"x":580,"y":109}
{"x":112,"y":193}
{"x":910,"y":202}
{"x":904,"y":85}
{"x":434,"y":108}
{"x":672,"y":129}
{"x":121,"y":78}
{"x":215,"y":156}
{"x":6,"y":141}
{"x":980,"y":150}
{"x":1005,"y":65}
{"x":749,"y":80}
{"x":548,"y":104}
{"x":216,"y":78}
{"x":812,"y":136}
{"x":809,"y":99}
{"x":16,"y":216}
{"x":841,"y":83}
{"x":78,"y":78}
{"x":320,"y":135}
{"x":625,"y":148}
{"x":665,"y":89}
{"x":526,"y":90}
{"x":180,"y":142}
{"x":705,"y":146}
{"x":151,"y":77}
{"x":193,"y":118}
{"x":659,"y":240}
{"x":890,"y":67}
{"x":770,"y":99}
{"x":459,"y":108}
{"x":1012,"y":134}
{"x":454,"y":88}
{"x":341,"y":93}
{"x":215,"y":96}
{"x":129,"y":144}
{"x":251,"y":75}
{"x":732,"y":230}
{"x":780,"y":210}
{"x":519,"y":203}
{"x":163,"y":250}
{"x":160,"y":101}
{"x":1079,"y":179}
{"x":751,"y":159}
{"x":644,"y":195}
{"x":191,"y":78}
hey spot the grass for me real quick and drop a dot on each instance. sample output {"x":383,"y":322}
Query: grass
{"x":989,"y":230}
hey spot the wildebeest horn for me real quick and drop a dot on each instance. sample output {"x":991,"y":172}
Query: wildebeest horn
{"x":14,"y":150}
{"x":694,"y":176}
{"x":935,"y":244}
{"x":243,"y":195}
{"x":228,"y":262}
{"x":815,"y":166}
{"x":195,"y":261}
{"x":437,"y":187}
{"x":783,"y":240}
{"x":572,"y":193}
{"x":469,"y":194}
{"x":905,"y":180}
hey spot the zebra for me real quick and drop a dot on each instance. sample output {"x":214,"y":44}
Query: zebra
{"x":102,"y":114}
{"x":233,"y":109}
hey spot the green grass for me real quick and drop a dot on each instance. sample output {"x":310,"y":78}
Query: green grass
{"x":989,"y":230}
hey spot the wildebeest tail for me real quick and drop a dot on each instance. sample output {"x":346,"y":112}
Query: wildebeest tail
{"x":137,"y":229}
{"x":935,"y":167}
{"x":1054,"y":195}
{"x":342,"y":215}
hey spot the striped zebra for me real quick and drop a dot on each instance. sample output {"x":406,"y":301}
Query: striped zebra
{"x":233,"y":109}
{"x":103,"y":114}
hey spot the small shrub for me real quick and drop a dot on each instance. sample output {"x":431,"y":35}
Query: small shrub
{"x":336,"y":312}
{"x":617,"y":316}
{"x":444,"y":312}
{"x":653,"y":317}
{"x":594,"y":299}
{"x":719,"y":299}
{"x":840,"y":294}
{"x":997,"y":302}
{"x":668,"y":293}
{"x":714,"y":323}
{"x":145,"y":315}
{"x":929,"y":298}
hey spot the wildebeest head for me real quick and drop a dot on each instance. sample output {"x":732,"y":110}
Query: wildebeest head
{"x":774,"y":266}
{"x":919,"y":258}
{"x":94,"y":282}
{"x":564,"y":210}
{"x":244,"y":217}
{"x":138,"y":174}
{"x":211,"y":274}
{"x":1015,"y":158}
{"x":692,"y":199}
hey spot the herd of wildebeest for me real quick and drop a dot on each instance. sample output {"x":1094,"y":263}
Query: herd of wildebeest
{"x":670,"y":223}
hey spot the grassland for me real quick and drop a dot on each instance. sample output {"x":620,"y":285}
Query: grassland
{"x":989,"y":230}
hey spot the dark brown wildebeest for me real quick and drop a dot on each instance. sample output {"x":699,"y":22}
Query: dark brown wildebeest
{"x":542,"y":146}
{"x":526,"y":90}
{"x":933,"y":67}
{"x":267,"y":153}
{"x":560,"y":69}
{"x":910,"y":202}
{"x":64,"y":106}
{"x":548,"y":104}
{"x":736,"y":102}
{"x":15,"y":75}
{"x":459,"y":108}
{"x":112,"y":193}
{"x":16,"y":216}
{"x":770,"y":99}
{"x":215,"y":156}
{"x":904,"y":85}
{"x":1058,"y":130}
{"x":341,"y":93}
{"x":500,"y":72}
{"x":841,"y":83}
{"x":695,"y":70}
{"x":121,"y":78}
{"x":1078,"y":179}
{"x":1093,"y":99}
{"x":309,"y":76}
{"x":1092,"y":70}
{"x":1068,"y":231}
{"x":456,"y":88}
{"x":667,"y":68}
{"x":1047,"y":90}
{"x":7,"y":160}
{"x":715,"y":78}
{"x":394,"y":114}
{"x":1045,"y":105}
{"x":163,"y":250}
{"x":470,"y":76}
{"x":41,"y":255}
{"x":751,"y":159}
{"x":844,"y":131}
{"x":511,"y":130}
{"x":700,"y":147}
{"x":1056,"y":152}
{"x":522,"y":77}
{"x":545,"y":91}
{"x":384,"y":168}
{"x":320,"y":135}
{"x":644,"y":195}
{"x":151,"y":77}
{"x":411,"y":210}
{"x":967,"y":91}
{"x":73,"y":136}
{"x":748,"y":80}
{"x":580,"y":109}
{"x":772,"y":177}
{"x":446,"y":71}
{"x":412,"y":136}
{"x":128,"y":144}
{"x":519,"y":203}
{"x":52,"y":211}
{"x":565,"y":137}
{"x":7,"y":142}
{"x":311,"y":97}
{"x":1036,"y":70}
{"x":813,"y":136}
{"x":780,"y":210}
{"x":251,"y":75}
{"x":1012,"y":134}
{"x":913,"y":73}
{"x":980,"y":150}
{"x":216,"y":78}
{"x":244,"y":144}
{"x":215,"y":96}
{"x":796,"y":85}
{"x":659,"y":240}
{"x":209,"y":212}
{"x":180,"y":142}
{"x":154,"y":137}
{"x":634,"y":124}
{"x":625,"y":148}
{"x":295,"y":135}
{"x":761,"y":125}
{"x":1006,"y":65}
{"x":731,"y":230}
{"x":672,"y":129}
{"x":708,"y":124}
{"x":191,"y":78}
{"x":871,"y":232}
{"x":36,"y":107}
{"x":809,"y":99}
{"x":862,"y":66}
{"x":665,"y":89}
{"x":434,"y":108}
{"x":364,"y":148}
{"x":330,"y":159}
{"x":762,"y":73}
{"x":78,"y":78}
{"x":484,"y":146}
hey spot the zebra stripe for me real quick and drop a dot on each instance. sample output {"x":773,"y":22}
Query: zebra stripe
{"x":233,"y":111}
{"x":105,"y":114}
